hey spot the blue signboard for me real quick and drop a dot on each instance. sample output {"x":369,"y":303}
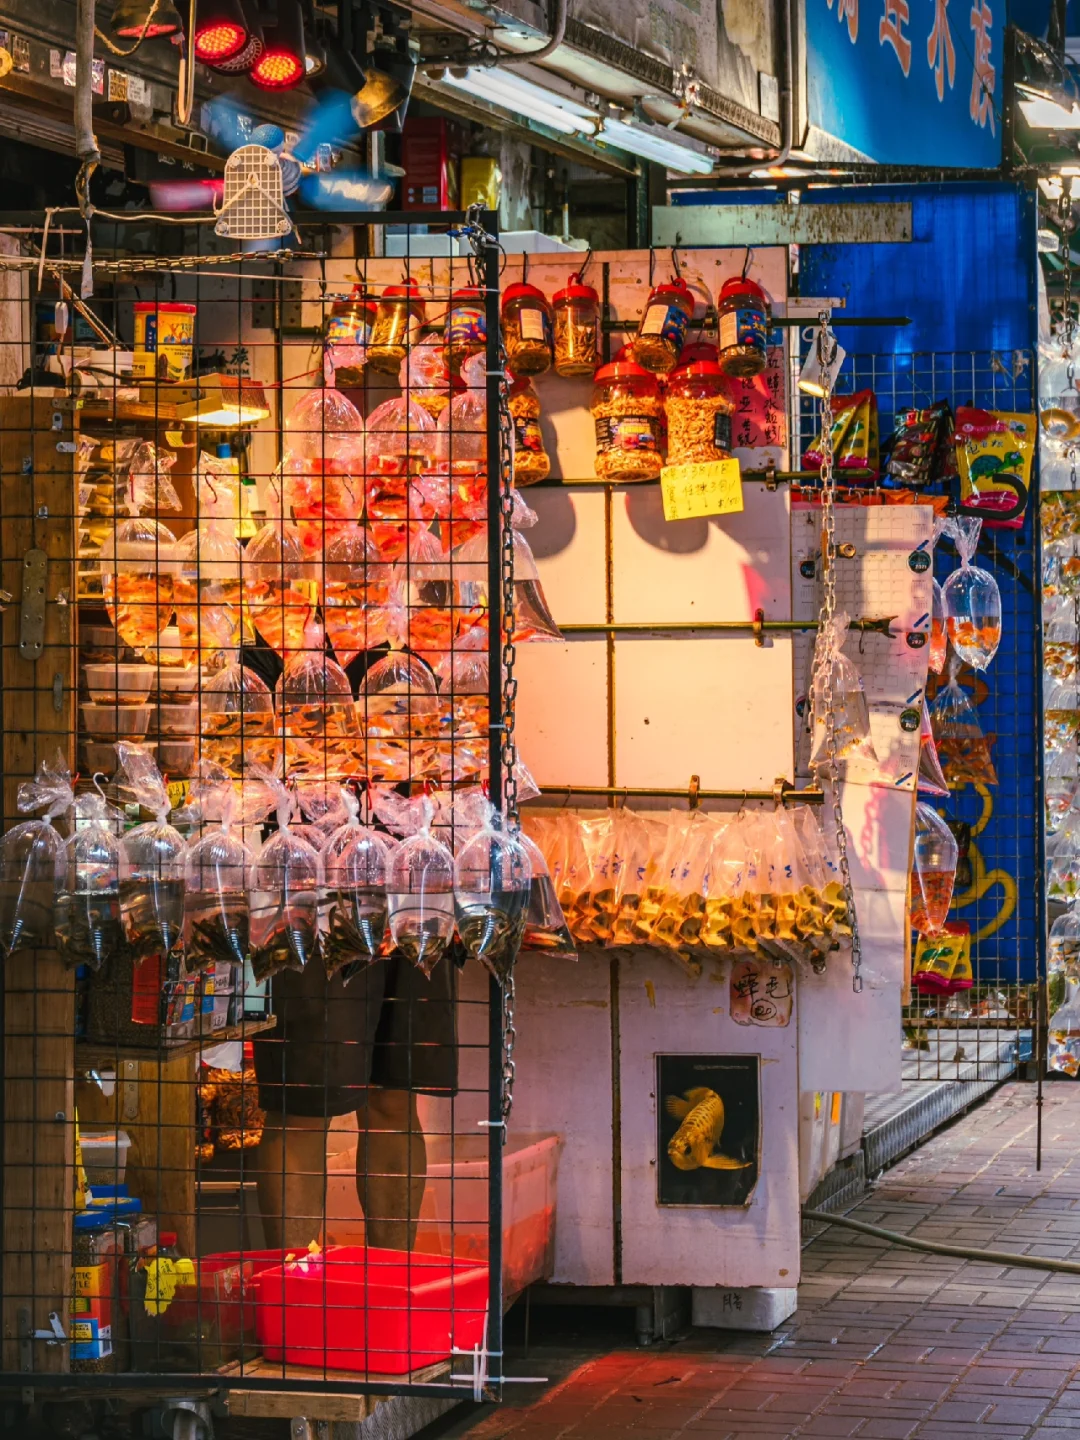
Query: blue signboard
{"x":908,"y":82}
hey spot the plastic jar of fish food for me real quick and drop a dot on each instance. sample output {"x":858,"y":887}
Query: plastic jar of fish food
{"x":531,"y":462}
{"x":629,"y":416}
{"x":743,"y":322}
{"x":526,"y":324}
{"x":398,"y":321}
{"x":466,"y":325}
{"x":662,"y":328}
{"x":698,"y":409}
{"x":577,"y":311}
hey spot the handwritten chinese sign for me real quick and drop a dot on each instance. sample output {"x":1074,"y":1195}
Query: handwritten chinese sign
{"x":908,"y":81}
{"x":713,"y":487}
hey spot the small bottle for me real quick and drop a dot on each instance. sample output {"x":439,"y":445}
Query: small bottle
{"x":577,"y":310}
{"x":348,"y":330}
{"x":399,"y":319}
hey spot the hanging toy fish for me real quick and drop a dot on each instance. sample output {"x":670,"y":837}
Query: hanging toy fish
{"x":696,"y":1142}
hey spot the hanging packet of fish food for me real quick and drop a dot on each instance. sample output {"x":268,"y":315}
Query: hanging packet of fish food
{"x":88,"y":930}
{"x":933,"y":873}
{"x":830,"y":920}
{"x":972,"y":599}
{"x":678,"y":926}
{"x":855,"y":439}
{"x":834,"y":674}
{"x":151,"y":860}
{"x":792,"y":889}
{"x":354,"y":911}
{"x":33,"y":855}
{"x":963,"y":749}
{"x":284,"y":886}
{"x":994,"y":451}
{"x":217,"y":866}
{"x":915,"y":450}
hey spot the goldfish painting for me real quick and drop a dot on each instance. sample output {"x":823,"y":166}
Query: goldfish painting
{"x":696,"y":1143}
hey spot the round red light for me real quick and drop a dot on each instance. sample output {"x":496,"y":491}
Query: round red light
{"x":277,"y":70}
{"x":219,"y":41}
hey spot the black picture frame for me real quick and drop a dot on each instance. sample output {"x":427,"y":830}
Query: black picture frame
{"x":721,"y":1152}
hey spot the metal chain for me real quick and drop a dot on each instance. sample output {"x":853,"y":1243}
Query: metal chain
{"x":479,"y":240}
{"x":822,"y":680}
{"x":1065,"y":218}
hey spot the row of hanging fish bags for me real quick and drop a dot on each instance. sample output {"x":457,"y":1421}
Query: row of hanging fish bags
{"x":695,"y":883}
{"x":214,"y":888}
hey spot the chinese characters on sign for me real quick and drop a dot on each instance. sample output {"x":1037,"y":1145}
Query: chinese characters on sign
{"x":712,"y":487}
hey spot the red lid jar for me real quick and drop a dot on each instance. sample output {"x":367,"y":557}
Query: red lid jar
{"x":743,"y":321}
{"x":399,"y":319}
{"x":466,"y":325}
{"x":662,"y":328}
{"x":698,"y":409}
{"x":526,"y":326}
{"x":577,"y":337}
{"x":629,"y":417}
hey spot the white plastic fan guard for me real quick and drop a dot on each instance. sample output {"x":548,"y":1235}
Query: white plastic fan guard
{"x":253,"y":204}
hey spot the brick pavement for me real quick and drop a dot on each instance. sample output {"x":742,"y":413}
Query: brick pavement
{"x":887,"y":1343}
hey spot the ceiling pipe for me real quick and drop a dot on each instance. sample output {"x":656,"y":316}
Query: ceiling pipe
{"x":86,"y":145}
{"x":788,"y":32}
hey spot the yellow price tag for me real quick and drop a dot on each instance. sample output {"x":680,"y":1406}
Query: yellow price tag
{"x":713,"y":487}
{"x":178,"y":792}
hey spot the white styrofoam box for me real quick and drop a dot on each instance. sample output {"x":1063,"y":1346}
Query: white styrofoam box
{"x":104,"y":1155}
{"x":852,"y":1109}
{"x":848,"y":1041}
{"x":568,"y":544}
{"x":715,"y":706}
{"x":757,"y":1308}
{"x":663,"y":1011}
{"x":561,"y":733}
{"x":723,"y":567}
{"x":813,"y":1122}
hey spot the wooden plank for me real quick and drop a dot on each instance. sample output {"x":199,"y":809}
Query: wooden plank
{"x":97,"y":1057}
{"x":316,"y":1405}
{"x":36,"y":509}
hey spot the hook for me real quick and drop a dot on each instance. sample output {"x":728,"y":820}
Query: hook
{"x":97,"y":777}
{"x":525,"y":267}
{"x":566,"y":801}
{"x":746,"y":261}
{"x":693,"y":792}
{"x":585,"y":266}
{"x":675,"y":262}
{"x":652,"y":259}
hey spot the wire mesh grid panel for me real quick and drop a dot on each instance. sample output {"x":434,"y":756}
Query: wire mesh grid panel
{"x":253,"y":747}
{"x":984,"y":723}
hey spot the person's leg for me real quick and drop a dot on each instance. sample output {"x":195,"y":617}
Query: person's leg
{"x":290,"y":1173}
{"x":391,"y":1167}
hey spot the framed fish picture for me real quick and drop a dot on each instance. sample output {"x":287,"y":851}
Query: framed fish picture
{"x":708,"y":1129}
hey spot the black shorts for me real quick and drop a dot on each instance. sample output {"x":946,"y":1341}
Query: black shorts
{"x":389,"y":1027}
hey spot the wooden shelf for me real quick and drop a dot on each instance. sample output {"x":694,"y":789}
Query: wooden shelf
{"x":316,"y":1404}
{"x":95,"y":1053}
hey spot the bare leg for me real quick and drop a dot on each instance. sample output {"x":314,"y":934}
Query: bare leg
{"x":290,"y":1172}
{"x":391,"y":1167}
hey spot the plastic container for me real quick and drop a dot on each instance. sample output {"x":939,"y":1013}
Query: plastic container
{"x":176,"y":679}
{"x":164,"y":340}
{"x":119,"y":684}
{"x":531,"y":461}
{"x":743,"y":322}
{"x":454,"y":1214}
{"x":662,"y":328}
{"x":466,"y":324}
{"x":628,"y":412}
{"x":130,"y":721}
{"x":399,"y":318}
{"x":176,"y":757}
{"x":577,"y":332}
{"x":380,"y":1312}
{"x":177,"y":719}
{"x":98,"y":755}
{"x":104,"y":1155}
{"x":348,"y":331}
{"x":698,"y":409}
{"x":526,"y":325}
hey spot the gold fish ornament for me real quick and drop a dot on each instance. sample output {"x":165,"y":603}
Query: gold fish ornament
{"x":696,"y":1143}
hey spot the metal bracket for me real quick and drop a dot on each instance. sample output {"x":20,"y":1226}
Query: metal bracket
{"x":770,"y":475}
{"x":847,"y":550}
{"x":129,"y":1094}
{"x":32,"y":614}
{"x":27,"y":1335}
{"x":758,"y":627}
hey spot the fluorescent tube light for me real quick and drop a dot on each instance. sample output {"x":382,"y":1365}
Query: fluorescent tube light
{"x":530,"y":101}
{"x":656,"y":146}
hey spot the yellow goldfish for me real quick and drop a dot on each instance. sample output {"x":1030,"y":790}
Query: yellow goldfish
{"x":696,"y":1142}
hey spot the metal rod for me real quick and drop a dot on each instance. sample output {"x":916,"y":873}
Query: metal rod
{"x":787,"y":322}
{"x":882,"y":626}
{"x":786,"y":794}
{"x":760,"y":477}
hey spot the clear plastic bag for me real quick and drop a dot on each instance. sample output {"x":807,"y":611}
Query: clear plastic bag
{"x":356,"y":592}
{"x":138,"y":563}
{"x":317,"y":712}
{"x":963,"y":749}
{"x":148,"y":485}
{"x":444,"y":611}
{"x":425,"y":378}
{"x":972,"y":599}
{"x":280,"y":586}
{"x":216,"y":870}
{"x":851,"y":723}
{"x":532,"y":618}
{"x":463,"y":716}
{"x":33,"y":860}
{"x":420,"y":891}
{"x":399,"y":710}
{"x":325,"y":424}
{"x":151,"y":861}
{"x":238,"y":726}
{"x":284,"y":894}
{"x":933,"y":872}
{"x":462,"y":429}
{"x":1063,"y":994}
{"x":88,"y":930}
{"x":546,"y":929}
{"x":492,"y":882}
{"x":354,"y":913}
{"x":939,"y":633}
{"x":207,"y":585}
{"x":931,"y":778}
{"x":401,"y":442}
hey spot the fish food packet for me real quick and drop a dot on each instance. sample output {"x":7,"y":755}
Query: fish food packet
{"x":918,"y":451}
{"x":933,"y":873}
{"x":994,"y":451}
{"x":284,"y":893}
{"x":843,"y":418}
{"x":972,"y":599}
{"x":33,"y":860}
{"x":88,"y":930}
{"x":151,"y":860}
{"x":963,"y":749}
{"x":354,"y":908}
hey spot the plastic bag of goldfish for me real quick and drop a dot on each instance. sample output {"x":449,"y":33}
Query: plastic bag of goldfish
{"x":694,"y":882}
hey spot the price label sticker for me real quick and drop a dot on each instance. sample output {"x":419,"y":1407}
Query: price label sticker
{"x":713,"y":487}
{"x":178,"y":792}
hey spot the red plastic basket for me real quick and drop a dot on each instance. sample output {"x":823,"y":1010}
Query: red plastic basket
{"x":377,"y":1312}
